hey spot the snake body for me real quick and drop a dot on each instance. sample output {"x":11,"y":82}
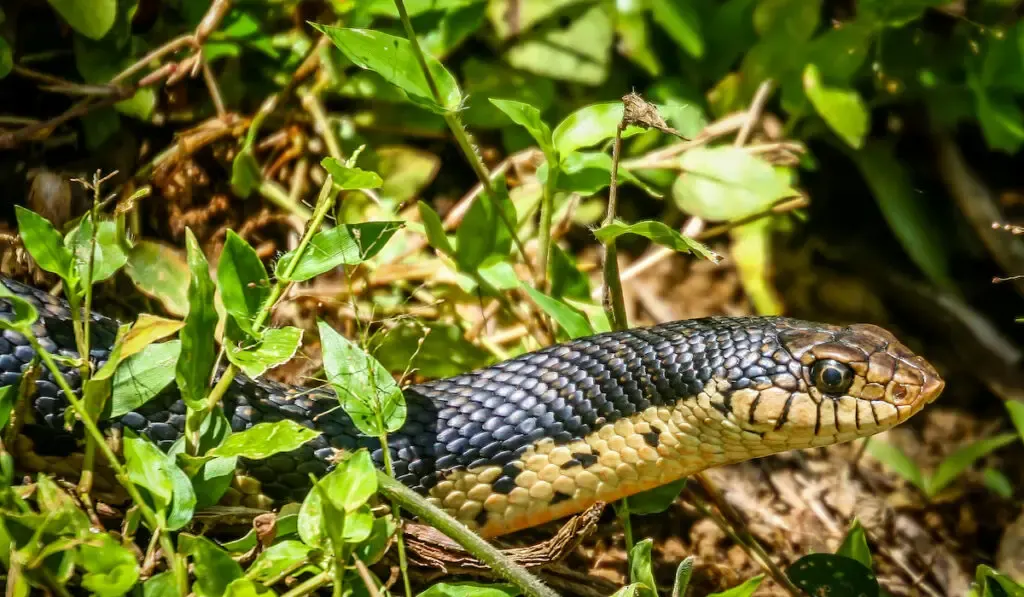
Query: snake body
{"x":545,"y":434}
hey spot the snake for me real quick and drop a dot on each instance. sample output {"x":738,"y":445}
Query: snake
{"x":534,"y":438}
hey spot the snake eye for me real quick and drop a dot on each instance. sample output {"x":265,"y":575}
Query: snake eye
{"x":831,"y":377}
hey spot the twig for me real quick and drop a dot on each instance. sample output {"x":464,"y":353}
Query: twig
{"x":470,"y":541}
{"x":614,"y":303}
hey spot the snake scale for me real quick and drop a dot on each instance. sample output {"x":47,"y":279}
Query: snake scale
{"x":542,"y":435}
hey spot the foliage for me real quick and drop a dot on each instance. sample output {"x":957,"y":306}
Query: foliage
{"x":551,"y":78}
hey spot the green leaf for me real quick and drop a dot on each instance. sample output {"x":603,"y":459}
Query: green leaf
{"x":109,"y":255}
{"x":587,"y":172}
{"x":993,"y":583}
{"x":839,"y":53}
{"x":681,"y":21}
{"x":579,"y":52}
{"x":243,"y":587}
{"x":91,"y":18}
{"x":347,"y":244}
{"x":214,"y":567}
{"x":348,"y":487}
{"x":657,"y":500}
{"x":8,"y":395}
{"x":744,"y":589}
{"x":367,"y":392}
{"x":659,"y":233}
{"x":1016,"y":410}
{"x":828,"y":574}
{"x":393,"y":59}
{"x":842,"y":109}
{"x":726,"y":183}
{"x":569,"y":319}
{"x":907,"y":211}
{"x":373,"y":549}
{"x":6,"y":58}
{"x":278,"y":559}
{"x":796,"y":20}
{"x":627,"y":591}
{"x":193,"y":374}
{"x":140,"y":377}
{"x":1001,"y":119}
{"x":347,"y":178}
{"x":529,"y":118}
{"x":166,"y":485}
{"x":358,"y":525}
{"x":406,"y":171}
{"x":43,"y":242}
{"x":110,"y":569}
{"x":855,"y":545}
{"x":962,"y":459}
{"x":640,"y":570}
{"x":242,"y":281}
{"x":897,"y":461}
{"x":435,"y":229}
{"x":432,"y":349}
{"x":470,"y":589}
{"x":161,"y":585}
{"x":159,"y":271}
{"x":566,"y":279}
{"x":245,"y":173}
{"x":275,"y":347}
{"x":264,"y":440}
{"x":683,"y":574}
{"x":589,"y":126}
{"x":483,"y":232}
{"x":997,"y":483}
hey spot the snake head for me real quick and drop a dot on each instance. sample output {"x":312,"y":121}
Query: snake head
{"x":862,"y":373}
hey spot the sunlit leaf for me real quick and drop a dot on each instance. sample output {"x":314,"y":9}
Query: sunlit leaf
{"x":842,"y":109}
{"x":214,"y":567}
{"x":683,"y":574}
{"x":744,"y":589}
{"x":43,"y":242}
{"x":529,"y":118}
{"x":165,"y":483}
{"x":193,"y":374}
{"x":91,"y":18}
{"x":347,"y":244}
{"x":264,"y":440}
{"x":242,"y":281}
{"x":366,"y":390}
{"x":726,"y":183}
{"x":855,"y":545}
{"x":657,"y":232}
{"x":348,"y":178}
{"x":275,"y":347}
{"x":109,"y":255}
{"x":589,"y":126}
{"x":641,"y":571}
{"x":682,"y":22}
{"x":393,"y":58}
{"x":569,"y":319}
{"x":963,"y":458}
{"x":142,"y":376}
{"x":470,"y":589}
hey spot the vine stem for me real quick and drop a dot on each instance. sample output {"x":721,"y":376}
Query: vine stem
{"x":458,"y":130}
{"x":547,"y":209}
{"x":154,"y":522}
{"x":323,"y":206}
{"x":530,"y":585}
{"x":614,"y":303}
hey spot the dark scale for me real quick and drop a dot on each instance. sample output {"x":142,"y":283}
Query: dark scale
{"x":488,"y":417}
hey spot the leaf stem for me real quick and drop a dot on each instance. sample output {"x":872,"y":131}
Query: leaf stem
{"x":309,"y":585}
{"x":530,"y":585}
{"x":324,"y":202}
{"x":614,"y":303}
{"x":155,"y":523}
{"x":547,"y":209}
{"x":458,"y":130}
